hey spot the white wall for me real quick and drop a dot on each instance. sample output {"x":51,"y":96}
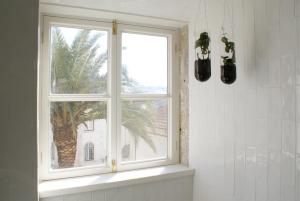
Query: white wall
{"x":179,"y":189}
{"x":172,"y":9}
{"x":18,"y":83}
{"x":243,"y":138}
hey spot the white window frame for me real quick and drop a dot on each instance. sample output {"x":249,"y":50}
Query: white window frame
{"x":45,"y":98}
{"x":172,"y":91}
{"x":113,"y":96}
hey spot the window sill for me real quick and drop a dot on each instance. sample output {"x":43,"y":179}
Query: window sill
{"x":111,"y":180}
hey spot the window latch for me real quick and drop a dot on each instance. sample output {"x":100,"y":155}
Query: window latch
{"x":114,"y":27}
{"x":113,"y":166}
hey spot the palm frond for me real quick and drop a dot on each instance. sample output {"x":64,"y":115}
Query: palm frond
{"x":75,"y":69}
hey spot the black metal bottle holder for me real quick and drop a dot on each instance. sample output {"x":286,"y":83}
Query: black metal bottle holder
{"x":228,"y":73}
{"x":203,"y":69}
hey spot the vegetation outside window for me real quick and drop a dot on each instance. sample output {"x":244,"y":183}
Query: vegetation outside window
{"x":106,"y":97}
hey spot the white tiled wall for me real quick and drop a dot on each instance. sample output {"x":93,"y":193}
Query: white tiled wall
{"x":179,"y":189}
{"x":245,"y":138}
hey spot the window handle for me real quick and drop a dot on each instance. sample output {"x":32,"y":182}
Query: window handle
{"x":113,"y":166}
{"x":114,"y":27}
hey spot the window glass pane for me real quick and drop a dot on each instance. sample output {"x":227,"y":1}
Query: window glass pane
{"x":78,"y":61}
{"x":78,"y":134}
{"x":144,"y":131}
{"x":144,"y":64}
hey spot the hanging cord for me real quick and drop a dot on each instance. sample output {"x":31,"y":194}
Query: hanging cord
{"x":232,"y":20}
{"x":206,"y":20}
{"x":202,"y":26}
{"x":233,"y":27}
{"x":205,"y":14}
{"x":196,"y":17}
{"x":230,"y":24}
{"x":224,"y":18}
{"x":196,"y":25}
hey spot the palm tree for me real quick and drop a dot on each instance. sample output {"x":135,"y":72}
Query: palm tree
{"x":75,"y":69}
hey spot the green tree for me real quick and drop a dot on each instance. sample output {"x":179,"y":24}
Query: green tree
{"x":75,"y":70}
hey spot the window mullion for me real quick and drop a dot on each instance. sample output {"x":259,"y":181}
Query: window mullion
{"x":145,"y":97}
{"x":118,"y":94}
{"x":114,"y":98}
{"x":73,"y":98}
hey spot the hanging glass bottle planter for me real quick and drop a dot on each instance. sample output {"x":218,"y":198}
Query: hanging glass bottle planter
{"x":203,"y":63}
{"x":228,"y":67}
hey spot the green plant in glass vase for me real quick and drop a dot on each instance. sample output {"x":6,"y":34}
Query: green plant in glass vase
{"x":228,"y":68}
{"x":203,"y":64}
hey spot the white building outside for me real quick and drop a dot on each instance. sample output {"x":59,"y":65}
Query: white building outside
{"x":95,"y":134}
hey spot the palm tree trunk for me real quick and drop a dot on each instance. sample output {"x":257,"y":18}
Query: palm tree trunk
{"x":66,"y":143}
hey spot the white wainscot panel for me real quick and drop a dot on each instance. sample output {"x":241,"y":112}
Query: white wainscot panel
{"x":177,"y":189}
